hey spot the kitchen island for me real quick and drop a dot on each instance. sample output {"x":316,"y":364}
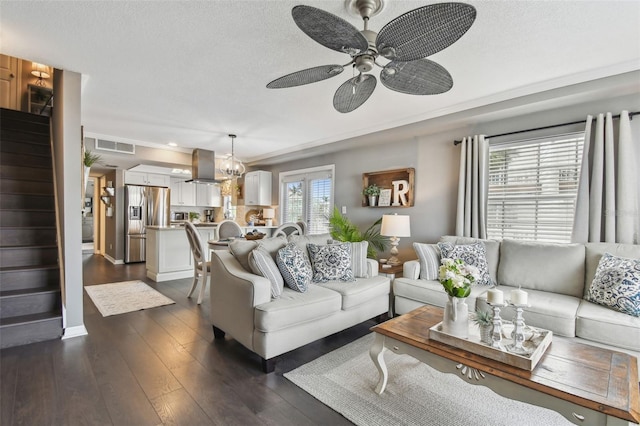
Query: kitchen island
{"x":168,"y":251}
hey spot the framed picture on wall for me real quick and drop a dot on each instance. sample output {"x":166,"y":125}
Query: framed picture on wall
{"x":385,"y":198}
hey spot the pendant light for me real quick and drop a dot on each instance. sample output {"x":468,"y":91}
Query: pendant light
{"x":233,"y":168}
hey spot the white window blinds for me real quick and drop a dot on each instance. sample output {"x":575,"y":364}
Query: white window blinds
{"x":532,"y":188}
{"x":307,"y":196}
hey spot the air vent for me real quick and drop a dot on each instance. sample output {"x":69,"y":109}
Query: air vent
{"x":121,"y":147}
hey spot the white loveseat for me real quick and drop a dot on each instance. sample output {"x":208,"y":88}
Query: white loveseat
{"x":242,"y":305}
{"x":556,"y":277}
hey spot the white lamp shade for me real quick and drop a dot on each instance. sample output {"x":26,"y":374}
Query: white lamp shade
{"x":39,"y":70}
{"x":394,"y":225}
{"x":268,"y":213}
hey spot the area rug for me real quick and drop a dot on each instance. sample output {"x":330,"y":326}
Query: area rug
{"x":126,"y":296}
{"x":416,"y":394}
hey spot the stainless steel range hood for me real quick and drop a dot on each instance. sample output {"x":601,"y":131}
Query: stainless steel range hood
{"x":203,"y":167}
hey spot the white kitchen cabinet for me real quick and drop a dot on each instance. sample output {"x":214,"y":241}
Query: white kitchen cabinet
{"x":182,"y":193}
{"x":208,"y":195}
{"x":207,"y":233}
{"x":150,"y":179}
{"x":168,"y":254}
{"x":257,"y":188}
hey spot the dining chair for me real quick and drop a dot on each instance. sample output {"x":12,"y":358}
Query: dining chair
{"x":201,"y":268}
{"x":228,"y":228}
{"x":303,"y":227}
{"x":286,"y":229}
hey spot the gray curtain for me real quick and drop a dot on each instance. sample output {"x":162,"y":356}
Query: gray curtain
{"x":607,"y":202}
{"x":471,"y":219}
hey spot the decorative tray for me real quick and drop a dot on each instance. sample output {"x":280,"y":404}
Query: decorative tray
{"x":257,"y":236}
{"x":537,"y":340}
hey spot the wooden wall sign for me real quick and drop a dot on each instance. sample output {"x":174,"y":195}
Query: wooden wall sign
{"x":399,"y":181}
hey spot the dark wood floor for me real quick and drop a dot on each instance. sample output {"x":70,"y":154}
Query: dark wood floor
{"x":157,"y":366}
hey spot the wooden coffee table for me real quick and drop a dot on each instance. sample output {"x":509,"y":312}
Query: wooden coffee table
{"x":586,"y":384}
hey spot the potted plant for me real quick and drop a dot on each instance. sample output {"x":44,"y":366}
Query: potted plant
{"x":89,"y":160}
{"x":194,"y":217}
{"x":484,"y":321}
{"x":372,"y":191}
{"x":342,"y":229}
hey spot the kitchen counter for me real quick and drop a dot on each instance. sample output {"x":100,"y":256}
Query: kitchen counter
{"x":168,"y":251}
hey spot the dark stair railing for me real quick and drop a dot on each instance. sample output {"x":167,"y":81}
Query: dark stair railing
{"x":30,"y":283}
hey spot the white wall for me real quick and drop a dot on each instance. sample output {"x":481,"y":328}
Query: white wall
{"x":436,"y":160}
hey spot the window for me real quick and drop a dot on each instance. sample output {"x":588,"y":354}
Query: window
{"x":307,"y":196}
{"x":532,"y":188}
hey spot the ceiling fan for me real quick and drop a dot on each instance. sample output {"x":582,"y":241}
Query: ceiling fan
{"x":405,"y":41}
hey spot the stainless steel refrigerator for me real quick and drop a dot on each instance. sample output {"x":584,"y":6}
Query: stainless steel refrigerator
{"x":145,"y":206}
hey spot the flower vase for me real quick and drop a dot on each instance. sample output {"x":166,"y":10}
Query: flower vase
{"x":373,"y":199}
{"x":456,"y":317}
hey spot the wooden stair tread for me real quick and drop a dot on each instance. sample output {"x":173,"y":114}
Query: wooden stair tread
{"x":32,"y":227}
{"x":31,"y":318}
{"x":48,"y":288}
{"x":44,"y":246}
{"x":29,"y":268}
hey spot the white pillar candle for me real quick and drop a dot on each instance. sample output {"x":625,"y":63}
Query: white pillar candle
{"x":495,"y":296}
{"x":519,"y":297}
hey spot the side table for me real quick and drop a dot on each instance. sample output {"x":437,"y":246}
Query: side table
{"x":390,"y":272}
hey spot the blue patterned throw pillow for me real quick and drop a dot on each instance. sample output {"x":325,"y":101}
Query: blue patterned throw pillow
{"x":471,"y":254}
{"x":617,"y":284}
{"x":294,"y":267}
{"x":331,"y":262}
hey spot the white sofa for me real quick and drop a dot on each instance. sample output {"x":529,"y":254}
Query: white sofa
{"x":556,"y":277}
{"x":242,"y":306}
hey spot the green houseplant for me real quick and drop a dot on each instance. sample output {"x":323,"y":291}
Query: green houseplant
{"x":342,"y":229}
{"x":484,"y":321}
{"x":91,"y":158}
{"x":372,"y":192}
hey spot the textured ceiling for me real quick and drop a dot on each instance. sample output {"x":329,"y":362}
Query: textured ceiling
{"x":191,"y":72}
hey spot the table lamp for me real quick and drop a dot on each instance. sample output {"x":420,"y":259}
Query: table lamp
{"x":268,"y":215}
{"x":395,"y":226}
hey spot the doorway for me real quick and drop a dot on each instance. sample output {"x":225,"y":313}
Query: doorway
{"x":88,"y":214}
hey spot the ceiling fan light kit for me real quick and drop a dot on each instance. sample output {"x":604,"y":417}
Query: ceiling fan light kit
{"x":405,"y":41}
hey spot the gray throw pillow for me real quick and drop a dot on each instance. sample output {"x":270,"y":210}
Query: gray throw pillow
{"x":331,"y":262}
{"x":429,"y":256}
{"x":241,"y":249}
{"x":294,"y":267}
{"x":263,"y":264}
{"x":616,"y":284}
{"x":471,"y":254}
{"x":359,"y":259}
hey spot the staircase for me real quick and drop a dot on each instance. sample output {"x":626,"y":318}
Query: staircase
{"x":30,"y":297}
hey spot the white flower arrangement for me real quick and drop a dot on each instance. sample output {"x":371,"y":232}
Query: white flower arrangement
{"x":457,"y":277}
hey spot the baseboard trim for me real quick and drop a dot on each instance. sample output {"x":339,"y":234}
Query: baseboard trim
{"x":167,"y":276}
{"x":114,"y":261}
{"x":77,"y":331}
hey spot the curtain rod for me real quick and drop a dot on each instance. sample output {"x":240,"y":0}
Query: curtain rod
{"x":631,"y":114}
